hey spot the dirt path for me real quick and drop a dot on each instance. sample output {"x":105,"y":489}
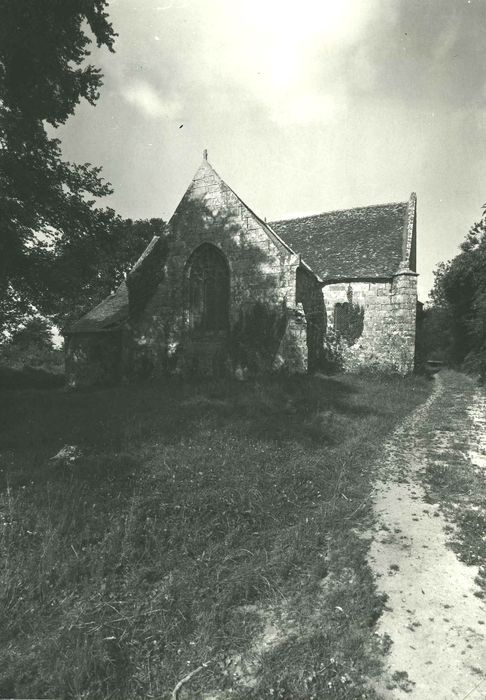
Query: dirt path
{"x":436,"y":623}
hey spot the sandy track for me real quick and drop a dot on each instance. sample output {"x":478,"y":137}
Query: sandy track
{"x":435,"y":622}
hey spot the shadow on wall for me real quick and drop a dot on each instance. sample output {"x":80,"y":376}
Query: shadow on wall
{"x":198,"y":322}
{"x":309,"y":293}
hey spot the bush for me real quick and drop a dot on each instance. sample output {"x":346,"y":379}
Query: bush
{"x":30,"y":348}
{"x":256,"y":336}
{"x":332,"y":360}
{"x":475,"y":363}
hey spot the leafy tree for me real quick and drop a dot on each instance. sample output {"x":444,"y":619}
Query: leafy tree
{"x":85,"y":270}
{"x":46,"y":204}
{"x":256,"y":336}
{"x":460,"y":295}
{"x":30,"y":345}
{"x":434,"y":338}
{"x":35,"y":332}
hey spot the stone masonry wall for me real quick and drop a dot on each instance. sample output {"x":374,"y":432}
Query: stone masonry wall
{"x":388,"y":338}
{"x":262,"y":269}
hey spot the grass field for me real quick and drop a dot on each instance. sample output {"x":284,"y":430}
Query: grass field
{"x":216,"y":523}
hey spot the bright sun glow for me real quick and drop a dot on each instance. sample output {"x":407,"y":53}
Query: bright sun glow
{"x":271,"y":47}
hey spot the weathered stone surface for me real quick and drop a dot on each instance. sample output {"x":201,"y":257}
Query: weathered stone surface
{"x":388,"y":338}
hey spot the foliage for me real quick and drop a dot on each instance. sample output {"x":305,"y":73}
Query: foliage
{"x":149,"y":271}
{"x":332,"y":359}
{"x":194,"y":515}
{"x":30,"y":346}
{"x":35,"y":332}
{"x":347,"y":329}
{"x":84,"y":271}
{"x":459,"y":296}
{"x":433,"y":335}
{"x":349,"y":319}
{"x":45,"y":202}
{"x":256,"y":336}
{"x":353,"y":328}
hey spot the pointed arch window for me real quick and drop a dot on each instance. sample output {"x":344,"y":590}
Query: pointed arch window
{"x":208,"y":289}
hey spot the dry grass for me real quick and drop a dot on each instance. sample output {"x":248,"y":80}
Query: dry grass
{"x":198,"y":518}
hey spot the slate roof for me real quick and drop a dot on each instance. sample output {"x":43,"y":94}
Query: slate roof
{"x":365,"y":243}
{"x":109,"y":315}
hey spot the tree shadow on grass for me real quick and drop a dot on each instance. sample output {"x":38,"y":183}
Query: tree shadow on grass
{"x":296,"y":409}
{"x":117,"y":424}
{"x":190,"y":501}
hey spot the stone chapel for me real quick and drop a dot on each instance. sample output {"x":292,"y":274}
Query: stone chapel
{"x":225,"y":291}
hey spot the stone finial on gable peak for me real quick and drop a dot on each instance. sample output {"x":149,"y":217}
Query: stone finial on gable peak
{"x":205,"y":169}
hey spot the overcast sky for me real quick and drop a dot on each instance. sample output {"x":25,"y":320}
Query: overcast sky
{"x":303,"y":106}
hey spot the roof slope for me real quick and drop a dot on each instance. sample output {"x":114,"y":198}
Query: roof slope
{"x":366,"y":242}
{"x":109,"y":315}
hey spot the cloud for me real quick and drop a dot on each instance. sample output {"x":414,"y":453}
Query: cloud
{"x":427,"y":52}
{"x":148,"y":101}
{"x":282,"y":60}
{"x":272,"y":50}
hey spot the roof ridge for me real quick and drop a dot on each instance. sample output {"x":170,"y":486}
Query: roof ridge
{"x":337,"y":211}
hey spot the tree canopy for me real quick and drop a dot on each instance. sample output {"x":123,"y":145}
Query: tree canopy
{"x":459,"y":296}
{"x":87,"y":269}
{"x":46,"y":204}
